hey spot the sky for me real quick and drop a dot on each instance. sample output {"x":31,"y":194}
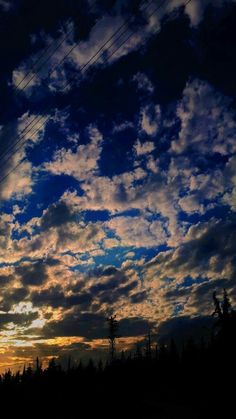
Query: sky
{"x":117,"y":172}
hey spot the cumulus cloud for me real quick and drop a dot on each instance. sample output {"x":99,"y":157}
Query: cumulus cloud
{"x":138,"y":231}
{"x":149,"y":119}
{"x":180,"y":169}
{"x":95,"y":50}
{"x":80,"y":164}
{"x":17,"y":171}
{"x":33,"y":273}
{"x":207,"y":122}
{"x":55,"y":297}
{"x":185,"y":278}
{"x":17,"y":177}
{"x":208,"y":251}
{"x":20,"y":319}
{"x":144,"y":148}
{"x":24,"y":80}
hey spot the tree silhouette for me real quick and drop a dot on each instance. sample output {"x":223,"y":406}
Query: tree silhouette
{"x":226,"y":305}
{"x":169,"y":382}
{"x":148,"y":351}
{"x":217,"y":310}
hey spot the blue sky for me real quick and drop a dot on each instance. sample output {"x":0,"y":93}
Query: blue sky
{"x":118,"y":173}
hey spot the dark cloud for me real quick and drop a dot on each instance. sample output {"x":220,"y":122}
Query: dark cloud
{"x":13,"y":296}
{"x":210,"y":248}
{"x":94,"y":326}
{"x":57,"y":215}
{"x":75,"y":350}
{"x":138,"y":297}
{"x":88,"y":325}
{"x":5,"y":279}
{"x":32,"y":273}
{"x":29,"y":21}
{"x":55,"y":297}
{"x":183,"y":328}
{"x":197,"y":298}
{"x":20,"y":319}
{"x":108,"y":278}
{"x":110,"y":284}
{"x":107,"y":296}
{"x":216,"y":240}
{"x":111,"y":273}
{"x":134,"y":326}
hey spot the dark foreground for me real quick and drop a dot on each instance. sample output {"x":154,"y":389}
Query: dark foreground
{"x":194,"y":383}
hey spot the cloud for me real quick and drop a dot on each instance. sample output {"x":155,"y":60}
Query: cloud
{"x":60,"y":229}
{"x":184,"y":185}
{"x":206,"y":260}
{"x":33,"y":273}
{"x":149,"y":119}
{"x":143,"y":83}
{"x":24,"y":80}
{"x":80,"y":164}
{"x":56,"y":297}
{"x":84,"y":55}
{"x":17,"y":171}
{"x":138,"y":231}
{"x":92,"y":326}
{"x":183,"y":328}
{"x":178,"y":183}
{"x":87,"y":325}
{"x":20,"y":319}
{"x":17,"y":178}
{"x":6,"y":227}
{"x":144,"y":148}
{"x":5,"y":5}
{"x":12,"y":296}
{"x":230,"y":184}
{"x":57,"y":215}
{"x":207,"y":122}
{"x":208,"y":250}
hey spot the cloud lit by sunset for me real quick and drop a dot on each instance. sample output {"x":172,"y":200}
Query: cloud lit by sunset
{"x":117,"y":172}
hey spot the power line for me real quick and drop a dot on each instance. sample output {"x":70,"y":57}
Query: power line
{"x":56,"y":49}
{"x":112,"y":36}
{"x":38,"y":118}
{"x":38,"y":129}
{"x":47,"y":59}
{"x":42,"y":55}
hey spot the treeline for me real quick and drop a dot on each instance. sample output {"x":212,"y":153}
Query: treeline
{"x":196,"y":381}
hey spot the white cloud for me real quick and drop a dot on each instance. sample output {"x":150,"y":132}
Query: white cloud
{"x":24,"y":80}
{"x":149,"y":119}
{"x":17,"y":170}
{"x":138,"y":231}
{"x":81,"y":164}
{"x":144,"y":148}
{"x":207,"y":123}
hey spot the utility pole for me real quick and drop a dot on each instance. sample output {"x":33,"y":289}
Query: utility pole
{"x":112,"y":335}
{"x":149,"y":345}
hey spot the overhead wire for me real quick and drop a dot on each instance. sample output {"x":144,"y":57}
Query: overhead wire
{"x":47,"y":49}
{"x":123,"y":42}
{"x":36,"y":119}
